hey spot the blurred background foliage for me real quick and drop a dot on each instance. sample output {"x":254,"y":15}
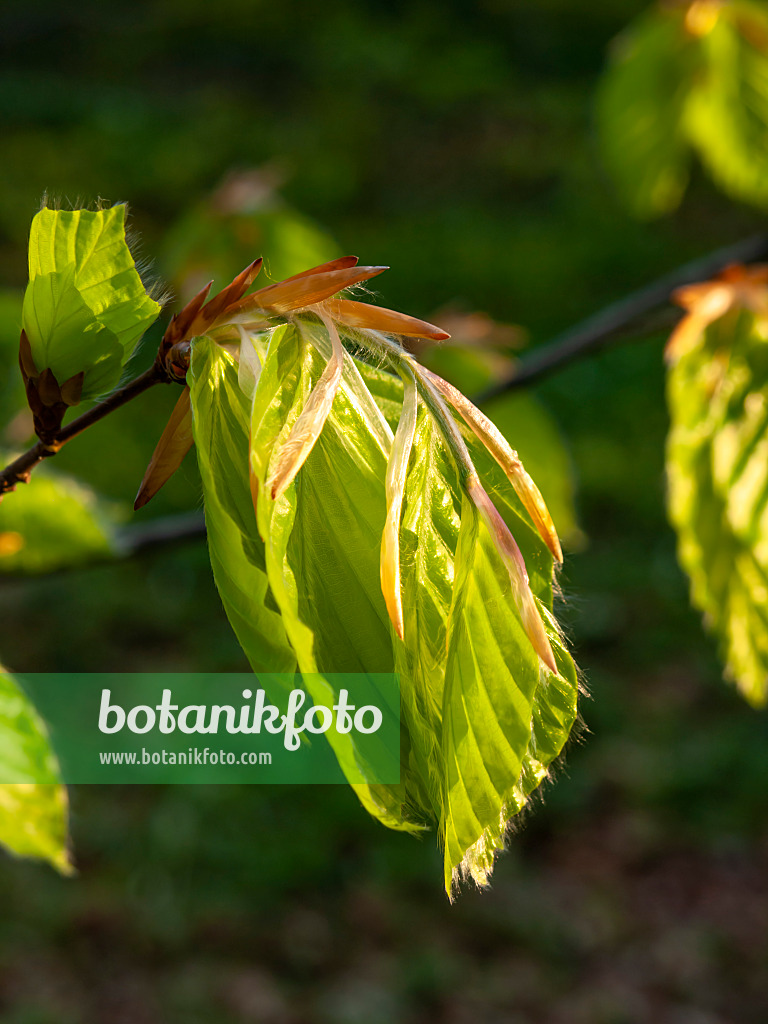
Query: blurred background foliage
{"x":456,"y":142}
{"x":688,"y":77}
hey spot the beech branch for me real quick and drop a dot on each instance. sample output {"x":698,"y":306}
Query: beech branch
{"x":629,"y":317}
{"x":625,"y":318}
{"x":20,"y":470}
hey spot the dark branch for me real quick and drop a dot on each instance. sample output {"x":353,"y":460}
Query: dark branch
{"x":132,"y":540}
{"x":639,"y":313}
{"x":626,"y":318}
{"x":20,"y":470}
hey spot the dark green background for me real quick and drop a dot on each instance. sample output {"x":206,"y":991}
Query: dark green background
{"x":455,"y":142}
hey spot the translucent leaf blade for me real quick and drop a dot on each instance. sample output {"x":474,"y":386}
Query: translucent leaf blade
{"x":85,"y":305}
{"x":221,"y":414}
{"x":717,"y":454}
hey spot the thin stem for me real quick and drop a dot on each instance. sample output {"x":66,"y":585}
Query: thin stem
{"x":20,"y":470}
{"x":620,"y":320}
{"x":131,"y":541}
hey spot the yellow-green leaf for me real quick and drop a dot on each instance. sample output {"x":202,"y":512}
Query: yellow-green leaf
{"x":717,"y":470}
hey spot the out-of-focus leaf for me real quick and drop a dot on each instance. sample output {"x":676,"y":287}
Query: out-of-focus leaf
{"x":727,"y":114}
{"x":54,"y":522}
{"x":688,"y":76}
{"x":33,"y":803}
{"x":85,"y":306}
{"x":717,"y":468}
{"x":640,"y":107}
{"x":12,"y":397}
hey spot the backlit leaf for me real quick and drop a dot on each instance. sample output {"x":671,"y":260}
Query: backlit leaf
{"x":472,"y":709}
{"x":717,"y":468}
{"x":322,"y":539}
{"x":322,"y":535}
{"x":688,"y":77}
{"x":221,"y":423}
{"x":85,"y":307}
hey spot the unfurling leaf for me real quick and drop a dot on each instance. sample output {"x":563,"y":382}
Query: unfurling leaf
{"x":221,"y":424}
{"x":717,"y":468}
{"x":352,"y":531}
{"x":509,"y":461}
{"x":33,"y":803}
{"x":294,"y":450}
{"x":85,"y":307}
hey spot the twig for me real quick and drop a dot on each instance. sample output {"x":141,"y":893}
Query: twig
{"x":132,"y":540}
{"x":129,"y":541}
{"x":620,"y":320}
{"x":20,"y":470}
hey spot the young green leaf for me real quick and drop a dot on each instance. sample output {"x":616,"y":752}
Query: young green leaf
{"x":261,"y":610}
{"x":490,"y":655}
{"x":85,"y":307}
{"x":491,"y":683}
{"x":323,"y":533}
{"x":33,"y":803}
{"x":294,"y":448}
{"x":221,"y":423}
